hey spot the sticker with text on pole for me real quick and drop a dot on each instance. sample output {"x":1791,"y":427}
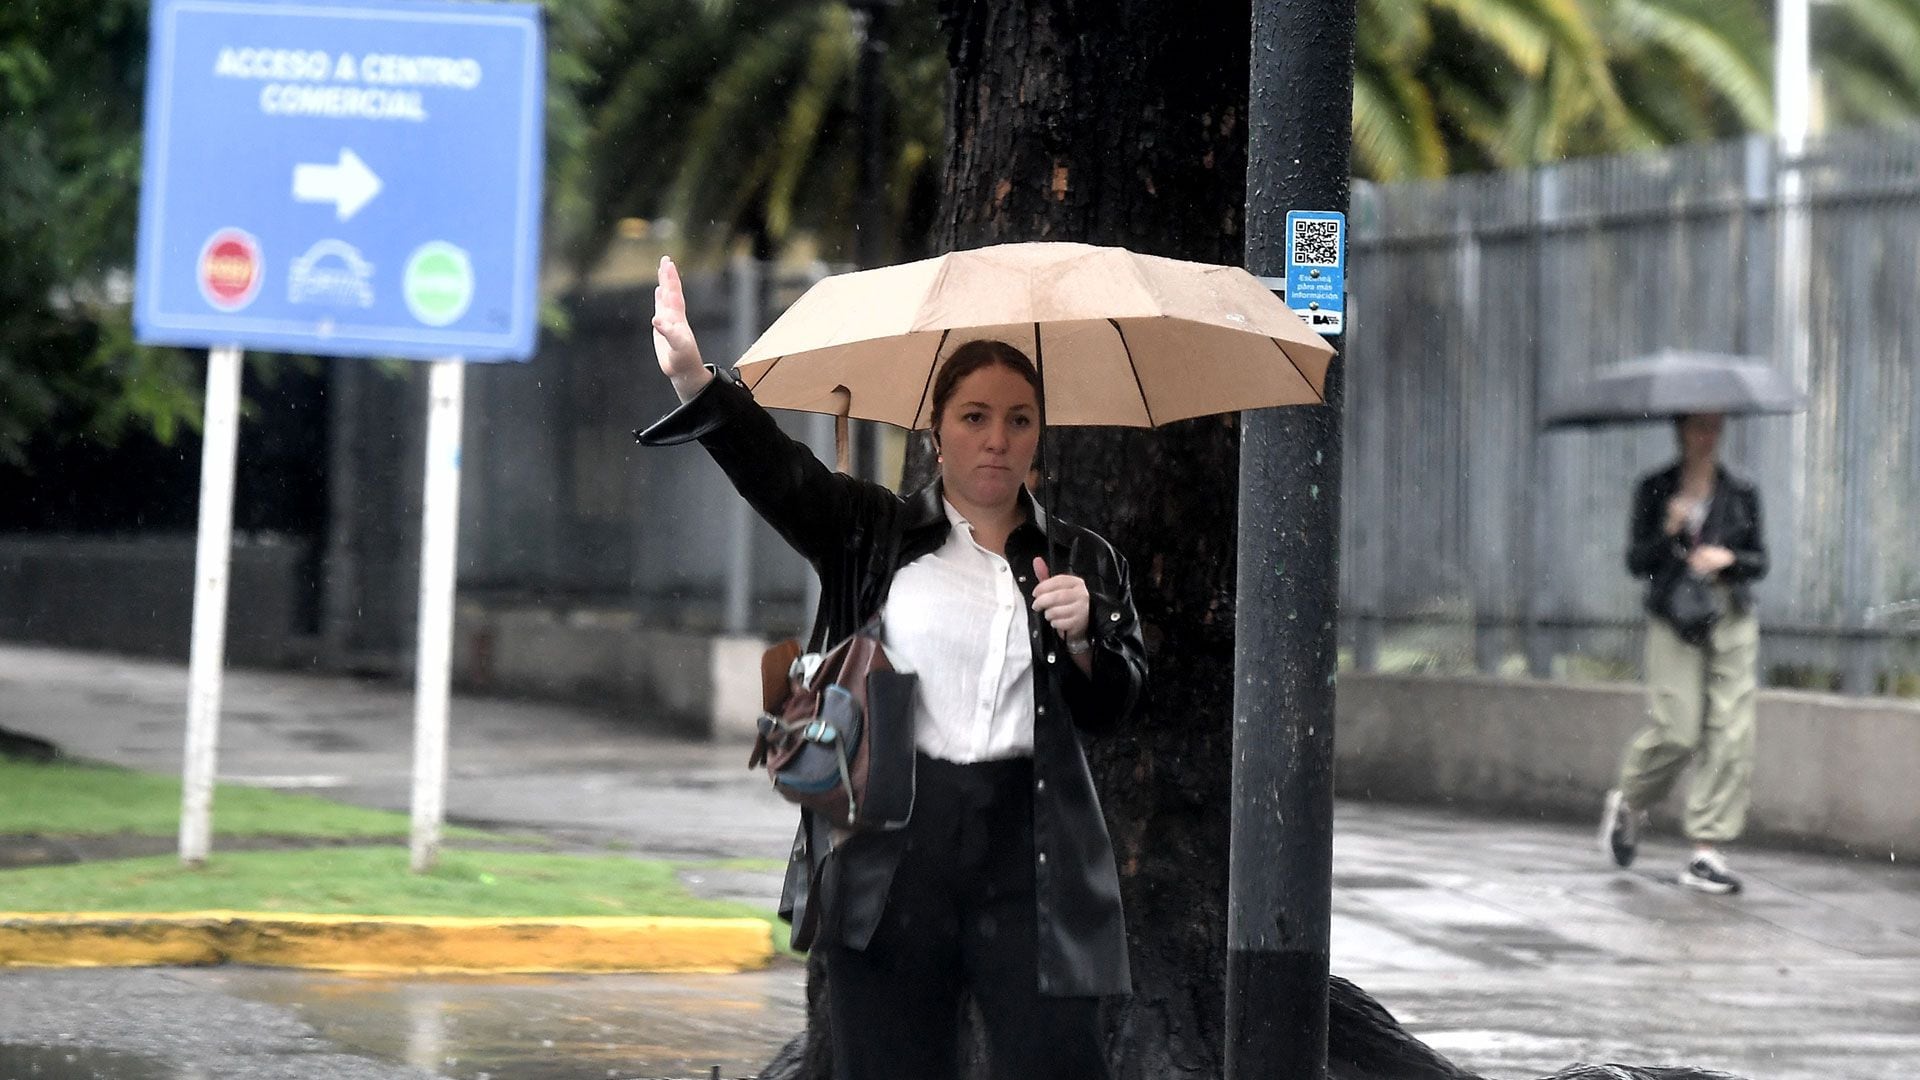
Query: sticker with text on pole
{"x":1317,"y":268}
{"x":343,"y":177}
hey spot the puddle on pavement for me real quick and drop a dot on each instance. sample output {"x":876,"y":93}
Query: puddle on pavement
{"x":561,"y":1027}
{"x":26,"y":1061}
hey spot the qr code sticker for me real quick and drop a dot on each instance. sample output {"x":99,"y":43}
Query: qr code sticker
{"x":1316,"y":242}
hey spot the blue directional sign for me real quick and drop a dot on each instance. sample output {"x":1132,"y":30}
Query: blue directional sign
{"x":343,"y":177}
{"x":1317,"y":268}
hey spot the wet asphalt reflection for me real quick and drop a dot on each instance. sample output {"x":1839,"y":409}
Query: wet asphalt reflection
{"x":265,"y":1024}
{"x":29,"y":1061}
{"x":551,"y":1027}
{"x":1508,"y":943}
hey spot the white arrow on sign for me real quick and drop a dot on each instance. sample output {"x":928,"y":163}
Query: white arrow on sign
{"x":348,"y":185}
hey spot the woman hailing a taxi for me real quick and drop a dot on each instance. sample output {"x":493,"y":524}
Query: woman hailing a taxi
{"x":1022,"y":633}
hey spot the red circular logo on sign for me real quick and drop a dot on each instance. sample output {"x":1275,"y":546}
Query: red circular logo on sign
{"x":230,"y":269}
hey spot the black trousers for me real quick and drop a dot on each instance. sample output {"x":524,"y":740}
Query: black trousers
{"x":959,"y":925}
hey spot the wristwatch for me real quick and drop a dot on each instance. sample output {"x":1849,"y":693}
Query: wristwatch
{"x":1079,"y":648}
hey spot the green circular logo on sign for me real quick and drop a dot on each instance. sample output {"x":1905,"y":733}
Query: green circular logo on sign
{"x":439,"y":283}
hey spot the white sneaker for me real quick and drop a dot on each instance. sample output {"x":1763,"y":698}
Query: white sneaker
{"x":1709,"y":874}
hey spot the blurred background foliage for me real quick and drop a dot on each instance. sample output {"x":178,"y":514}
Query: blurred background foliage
{"x":720,"y":124}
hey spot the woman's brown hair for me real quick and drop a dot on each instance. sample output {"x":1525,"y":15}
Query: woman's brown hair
{"x":971,"y":357}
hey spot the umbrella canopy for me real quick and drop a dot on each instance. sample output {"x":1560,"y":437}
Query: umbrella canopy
{"x":1119,"y":338}
{"x":1675,"y":383}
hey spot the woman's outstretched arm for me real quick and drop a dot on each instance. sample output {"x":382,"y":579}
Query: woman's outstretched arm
{"x":813,"y":508}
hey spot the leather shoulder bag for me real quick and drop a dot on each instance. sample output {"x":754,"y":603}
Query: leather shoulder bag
{"x":836,"y":733}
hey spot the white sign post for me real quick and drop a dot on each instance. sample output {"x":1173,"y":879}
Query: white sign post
{"x":220,"y":436}
{"x":286,"y":204}
{"x":433,"y":659}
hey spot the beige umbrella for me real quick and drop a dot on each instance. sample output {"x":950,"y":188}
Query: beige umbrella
{"x":1120,"y":338}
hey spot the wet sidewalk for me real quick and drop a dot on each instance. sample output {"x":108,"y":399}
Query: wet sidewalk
{"x":1510,"y":946}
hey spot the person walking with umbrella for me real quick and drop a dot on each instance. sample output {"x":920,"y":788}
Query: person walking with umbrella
{"x":1695,"y":538}
{"x":1021,"y":630}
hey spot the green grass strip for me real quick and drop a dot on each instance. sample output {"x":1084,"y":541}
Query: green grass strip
{"x":367,"y":881}
{"x":95,"y":800}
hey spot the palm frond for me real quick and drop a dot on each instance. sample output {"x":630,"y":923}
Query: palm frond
{"x":1666,"y":110}
{"x":729,"y":153}
{"x":1702,"y":46}
{"x":1473,"y":118}
{"x":1890,"y":29}
{"x":1395,"y":130}
{"x":733,"y":116}
{"x":1523,"y":129}
{"x":1861,"y":96}
{"x":1511,"y":27}
{"x":829,"y":66}
{"x":1397,"y":30}
{"x":1379,"y":153}
{"x":639,"y":119}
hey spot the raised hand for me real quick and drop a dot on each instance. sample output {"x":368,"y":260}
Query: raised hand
{"x":673,"y":343}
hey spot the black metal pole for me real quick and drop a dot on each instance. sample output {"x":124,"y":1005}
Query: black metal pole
{"x":1280,"y":886}
{"x":870,"y":217}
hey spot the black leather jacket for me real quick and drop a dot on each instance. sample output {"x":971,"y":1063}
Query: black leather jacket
{"x":856,"y":535}
{"x":1733,"y":522}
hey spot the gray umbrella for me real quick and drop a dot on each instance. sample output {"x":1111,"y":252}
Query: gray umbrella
{"x":1674,"y":383}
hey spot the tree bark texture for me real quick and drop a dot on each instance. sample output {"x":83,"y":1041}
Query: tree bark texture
{"x":1122,"y":122}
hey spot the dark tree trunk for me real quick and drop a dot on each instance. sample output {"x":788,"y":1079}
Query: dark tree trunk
{"x":1121,"y":122}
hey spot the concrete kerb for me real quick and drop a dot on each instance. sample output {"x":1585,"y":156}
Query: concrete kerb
{"x":385,"y":943}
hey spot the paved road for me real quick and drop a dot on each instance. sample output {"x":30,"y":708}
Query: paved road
{"x":1507,"y":944}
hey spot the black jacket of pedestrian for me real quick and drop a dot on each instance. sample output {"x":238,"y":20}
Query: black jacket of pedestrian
{"x":1732,"y":522}
{"x":857,"y":535}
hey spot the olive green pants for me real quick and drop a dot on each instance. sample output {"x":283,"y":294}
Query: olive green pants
{"x":1700,"y":710}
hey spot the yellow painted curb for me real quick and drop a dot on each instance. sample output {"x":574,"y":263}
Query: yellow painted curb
{"x":106,"y":940}
{"x":384,"y":942}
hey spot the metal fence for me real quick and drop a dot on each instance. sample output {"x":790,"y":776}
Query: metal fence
{"x":1473,"y":540}
{"x":560,"y":510}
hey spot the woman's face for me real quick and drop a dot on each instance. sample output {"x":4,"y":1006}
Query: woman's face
{"x":1700,"y":436}
{"x":988,"y":433}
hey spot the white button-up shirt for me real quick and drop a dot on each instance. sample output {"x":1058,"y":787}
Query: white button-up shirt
{"x":957,"y":619}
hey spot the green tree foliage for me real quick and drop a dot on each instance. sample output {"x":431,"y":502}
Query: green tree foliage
{"x":72,"y":77}
{"x":737,"y":118}
{"x":1447,"y":86}
{"x":70,"y":85}
{"x":1868,"y":52}
{"x":1456,"y":85}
